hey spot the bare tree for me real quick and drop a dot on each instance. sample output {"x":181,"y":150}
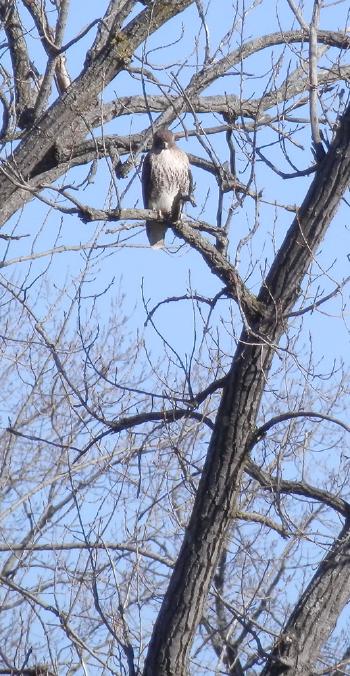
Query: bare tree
{"x":174,"y":478}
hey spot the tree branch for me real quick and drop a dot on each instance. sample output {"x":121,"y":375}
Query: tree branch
{"x":315,"y":127}
{"x":67,"y":546}
{"x":21,"y":65}
{"x":280,"y":485}
{"x":290,"y":415}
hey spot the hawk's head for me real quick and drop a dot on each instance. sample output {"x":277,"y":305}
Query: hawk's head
{"x":163,"y":139}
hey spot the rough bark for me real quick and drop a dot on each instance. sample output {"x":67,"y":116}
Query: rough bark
{"x":25,"y":94}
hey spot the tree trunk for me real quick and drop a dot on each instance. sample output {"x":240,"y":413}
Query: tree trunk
{"x":236,"y":419}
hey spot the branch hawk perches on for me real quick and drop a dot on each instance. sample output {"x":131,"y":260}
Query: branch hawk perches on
{"x":166,"y":184}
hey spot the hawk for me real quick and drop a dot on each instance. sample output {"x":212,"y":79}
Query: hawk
{"x":166,"y":184}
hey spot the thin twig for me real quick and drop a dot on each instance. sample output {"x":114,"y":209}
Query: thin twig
{"x":315,"y":126}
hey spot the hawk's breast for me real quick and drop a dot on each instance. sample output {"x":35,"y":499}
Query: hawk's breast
{"x":169,"y":178}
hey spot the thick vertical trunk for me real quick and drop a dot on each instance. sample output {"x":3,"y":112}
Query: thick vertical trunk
{"x":212,"y":513}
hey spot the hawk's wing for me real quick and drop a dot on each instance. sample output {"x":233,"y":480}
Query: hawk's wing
{"x":146,"y":180}
{"x":190,"y":180}
{"x":155,"y":229}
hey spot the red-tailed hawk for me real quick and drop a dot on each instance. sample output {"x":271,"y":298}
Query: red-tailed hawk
{"x":166,"y":184}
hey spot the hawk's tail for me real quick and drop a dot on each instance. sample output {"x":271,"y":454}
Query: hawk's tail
{"x":156,"y":233}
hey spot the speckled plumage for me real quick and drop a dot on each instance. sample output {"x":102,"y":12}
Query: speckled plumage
{"x":166,"y":183}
